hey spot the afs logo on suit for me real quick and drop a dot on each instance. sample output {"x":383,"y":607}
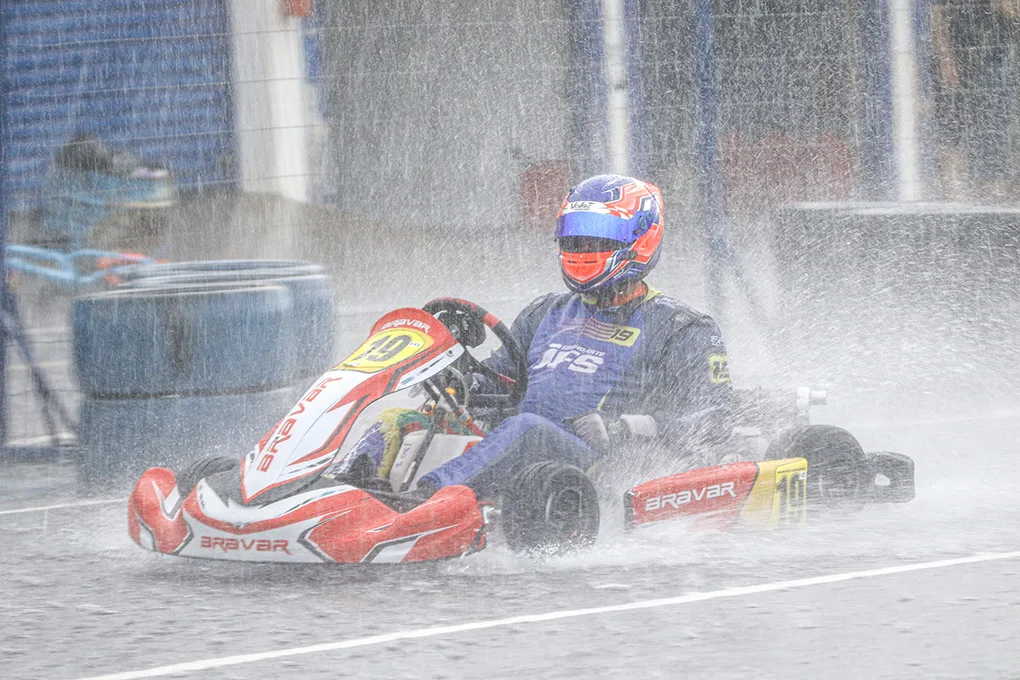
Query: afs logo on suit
{"x":577,"y":358}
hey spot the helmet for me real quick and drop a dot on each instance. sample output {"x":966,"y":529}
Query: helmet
{"x":609,"y":230}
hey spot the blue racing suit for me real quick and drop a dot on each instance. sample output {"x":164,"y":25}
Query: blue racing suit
{"x":652,"y":356}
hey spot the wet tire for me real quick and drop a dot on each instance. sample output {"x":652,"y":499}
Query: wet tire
{"x":184,"y":339}
{"x":191,"y":475}
{"x":837,"y":465}
{"x":550,"y":508}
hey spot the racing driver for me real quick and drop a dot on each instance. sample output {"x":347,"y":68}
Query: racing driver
{"x":614,"y":366}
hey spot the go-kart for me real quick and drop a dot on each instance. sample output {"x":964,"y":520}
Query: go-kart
{"x":283,"y":501}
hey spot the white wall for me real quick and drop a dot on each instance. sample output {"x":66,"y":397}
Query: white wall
{"x":269,"y":99}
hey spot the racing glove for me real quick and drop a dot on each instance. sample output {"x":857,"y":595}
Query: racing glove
{"x":457,"y":387}
{"x":601,"y":431}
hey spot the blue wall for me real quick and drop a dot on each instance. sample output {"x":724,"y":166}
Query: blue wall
{"x":151,"y":77}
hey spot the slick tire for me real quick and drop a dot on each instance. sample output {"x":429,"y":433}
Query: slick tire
{"x":198,"y":470}
{"x":837,"y":465}
{"x":550,"y":508}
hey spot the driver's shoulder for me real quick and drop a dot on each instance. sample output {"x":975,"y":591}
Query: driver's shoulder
{"x":674,"y":313}
{"x":541,"y":305}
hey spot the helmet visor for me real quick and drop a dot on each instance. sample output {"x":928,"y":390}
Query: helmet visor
{"x":597,"y":225}
{"x":589,"y":244}
{"x":583,"y":268}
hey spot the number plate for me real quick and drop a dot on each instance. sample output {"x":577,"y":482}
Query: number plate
{"x":386,"y":349}
{"x":789,"y":502}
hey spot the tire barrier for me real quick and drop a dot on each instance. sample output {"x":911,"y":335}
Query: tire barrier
{"x":190,"y":359}
{"x":244,"y":269}
{"x":183,"y":339}
{"x":121,"y":438}
{"x":313,"y":333}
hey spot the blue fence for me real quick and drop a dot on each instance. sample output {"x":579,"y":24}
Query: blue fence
{"x":153,"y":78}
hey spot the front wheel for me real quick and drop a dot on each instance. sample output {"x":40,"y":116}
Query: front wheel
{"x":198,"y":470}
{"x":550,"y":508}
{"x":837,"y":465}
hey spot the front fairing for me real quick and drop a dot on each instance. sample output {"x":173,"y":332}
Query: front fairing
{"x":330,"y":523}
{"x":406,"y":347}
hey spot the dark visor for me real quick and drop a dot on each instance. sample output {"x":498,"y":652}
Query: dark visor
{"x":589,"y":244}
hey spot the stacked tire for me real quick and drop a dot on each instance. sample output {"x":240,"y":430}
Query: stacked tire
{"x":193,"y":359}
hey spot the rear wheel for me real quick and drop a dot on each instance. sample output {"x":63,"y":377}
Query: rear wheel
{"x":190,"y":476}
{"x":550,"y":508}
{"x":837,"y":465}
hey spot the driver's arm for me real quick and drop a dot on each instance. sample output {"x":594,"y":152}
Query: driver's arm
{"x":523,"y":330}
{"x":693,"y":403}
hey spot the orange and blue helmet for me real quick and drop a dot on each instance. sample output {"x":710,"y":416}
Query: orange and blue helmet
{"x":609,"y":230}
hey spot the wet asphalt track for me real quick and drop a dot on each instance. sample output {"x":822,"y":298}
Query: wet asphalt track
{"x":79,"y":599}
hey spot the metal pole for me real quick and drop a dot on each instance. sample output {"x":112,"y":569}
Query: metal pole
{"x":924,"y":58}
{"x":613,"y":36}
{"x":637,"y":114}
{"x":589,"y":136}
{"x":880,"y":145}
{"x":4,"y":211}
{"x":720,"y":250}
{"x":904,"y":100}
{"x":707,"y":145}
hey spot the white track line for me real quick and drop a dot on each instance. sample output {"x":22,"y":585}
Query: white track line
{"x":79,"y":504}
{"x":437,"y":631}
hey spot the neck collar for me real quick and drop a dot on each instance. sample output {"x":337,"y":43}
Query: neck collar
{"x":639,"y":291}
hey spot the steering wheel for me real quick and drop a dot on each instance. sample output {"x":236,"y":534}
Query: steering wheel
{"x":467,"y":323}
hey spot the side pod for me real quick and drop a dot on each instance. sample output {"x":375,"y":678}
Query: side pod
{"x":771,"y":493}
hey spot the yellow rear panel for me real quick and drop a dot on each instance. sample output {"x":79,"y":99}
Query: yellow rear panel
{"x":779,"y":494}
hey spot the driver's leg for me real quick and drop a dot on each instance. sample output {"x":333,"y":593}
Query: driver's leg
{"x":517,"y":441}
{"x":378,"y":447}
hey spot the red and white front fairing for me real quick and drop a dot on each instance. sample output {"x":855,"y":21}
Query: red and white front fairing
{"x":406,"y":347}
{"x":332,"y":524}
{"x":273,"y":520}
